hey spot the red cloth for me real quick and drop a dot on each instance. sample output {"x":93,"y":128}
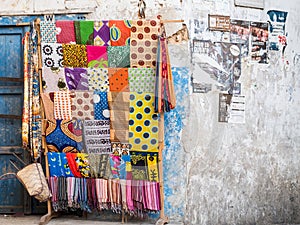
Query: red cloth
{"x":65,"y":31}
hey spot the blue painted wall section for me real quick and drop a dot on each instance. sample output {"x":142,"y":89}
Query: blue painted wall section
{"x":174,"y":154}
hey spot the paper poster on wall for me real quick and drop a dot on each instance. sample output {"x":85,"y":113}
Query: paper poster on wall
{"x":220,"y":60}
{"x":219,"y":23}
{"x":240,"y":33}
{"x":259,"y":4}
{"x":259,"y":40}
{"x":231,"y":108}
{"x":277,"y":36}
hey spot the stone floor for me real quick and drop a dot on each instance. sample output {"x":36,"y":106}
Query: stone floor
{"x":63,"y":220}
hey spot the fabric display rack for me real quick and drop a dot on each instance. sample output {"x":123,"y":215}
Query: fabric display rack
{"x":95,"y":94}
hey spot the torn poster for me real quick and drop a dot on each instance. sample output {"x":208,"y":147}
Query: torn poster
{"x":240,"y":33}
{"x":231,"y":108}
{"x":219,"y":23}
{"x":277,"y":36}
{"x":220,"y":60}
{"x":259,"y":40}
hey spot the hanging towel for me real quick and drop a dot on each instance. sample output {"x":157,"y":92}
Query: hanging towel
{"x":84,"y":31}
{"x":120,"y":32}
{"x":101,"y":33}
{"x":65,"y":32}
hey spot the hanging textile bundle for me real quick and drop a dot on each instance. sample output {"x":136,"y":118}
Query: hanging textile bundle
{"x":164,"y":88}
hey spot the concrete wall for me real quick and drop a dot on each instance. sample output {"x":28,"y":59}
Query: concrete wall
{"x":219,"y":173}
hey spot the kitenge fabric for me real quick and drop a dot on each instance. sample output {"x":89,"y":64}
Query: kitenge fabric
{"x":74,"y":55}
{"x":99,"y":165}
{"x":101,"y":105}
{"x":101,"y":33}
{"x":65,"y":31}
{"x":53,"y":79}
{"x":48,"y":31}
{"x":48,"y":103}
{"x":58,"y":165}
{"x":118,"y":103}
{"x":97,"y":136}
{"x":143,"y":123}
{"x":98,"y":79}
{"x":97,"y":56}
{"x":118,"y":79}
{"x":62,"y":105}
{"x":77,"y":79}
{"x":120,"y":32}
{"x":62,"y":136}
{"x":143,"y":43}
{"x":82,"y":105}
{"x":84,"y":32}
{"x":52,"y":55}
{"x":118,"y":56}
{"x":141,"y":79}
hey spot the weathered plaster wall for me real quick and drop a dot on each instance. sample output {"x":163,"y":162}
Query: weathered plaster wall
{"x":218,"y":173}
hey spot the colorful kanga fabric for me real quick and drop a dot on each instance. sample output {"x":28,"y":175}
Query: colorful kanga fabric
{"x":82,"y":105}
{"x":97,"y":136}
{"x":63,"y":136}
{"x":120,"y":32}
{"x":101,"y":105}
{"x":77,"y":78}
{"x":84,"y":32}
{"x":58,"y":165}
{"x":115,"y":161}
{"x":48,"y":32}
{"x":83,"y":164}
{"x":62,"y":105}
{"x":65,"y":31}
{"x":53,"y":79}
{"x":74,"y":55}
{"x":118,"y":56}
{"x":143,"y":45}
{"x":99,"y":165}
{"x":143,"y":123}
{"x":118,"y":79}
{"x":125,"y":167}
{"x":144,"y":165}
{"x":118,"y":103}
{"x":141,"y":79}
{"x":52,"y":55}
{"x":101,"y":33}
{"x":97,"y":56}
{"x":98,"y":79}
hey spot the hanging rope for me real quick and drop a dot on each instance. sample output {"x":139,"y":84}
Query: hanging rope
{"x":142,"y":8}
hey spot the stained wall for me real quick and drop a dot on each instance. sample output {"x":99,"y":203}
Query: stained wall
{"x":220,"y":173}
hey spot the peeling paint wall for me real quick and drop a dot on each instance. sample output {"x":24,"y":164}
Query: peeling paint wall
{"x":219,"y":173}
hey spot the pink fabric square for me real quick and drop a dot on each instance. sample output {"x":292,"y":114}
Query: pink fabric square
{"x":97,"y":56}
{"x":65,"y":31}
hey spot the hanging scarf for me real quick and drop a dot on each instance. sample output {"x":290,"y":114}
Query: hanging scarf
{"x":164,"y":88}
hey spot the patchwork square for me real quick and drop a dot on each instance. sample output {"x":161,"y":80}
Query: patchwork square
{"x":118,"y":56}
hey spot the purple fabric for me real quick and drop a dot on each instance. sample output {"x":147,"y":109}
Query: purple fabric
{"x":101,"y":33}
{"x":77,"y":78}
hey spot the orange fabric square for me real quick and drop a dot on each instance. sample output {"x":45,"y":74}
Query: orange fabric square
{"x":120,"y":31}
{"x":118,"y":79}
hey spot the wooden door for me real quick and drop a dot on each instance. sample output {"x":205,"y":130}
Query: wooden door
{"x":13,"y":197}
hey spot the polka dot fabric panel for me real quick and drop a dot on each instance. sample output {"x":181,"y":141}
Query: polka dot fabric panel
{"x":120,"y":32}
{"x":98,"y":79}
{"x":143,"y":122}
{"x":74,"y":55}
{"x":101,"y":106}
{"x":141,"y":79}
{"x":143,"y":43}
{"x":82,"y":105}
{"x":118,"y":79}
